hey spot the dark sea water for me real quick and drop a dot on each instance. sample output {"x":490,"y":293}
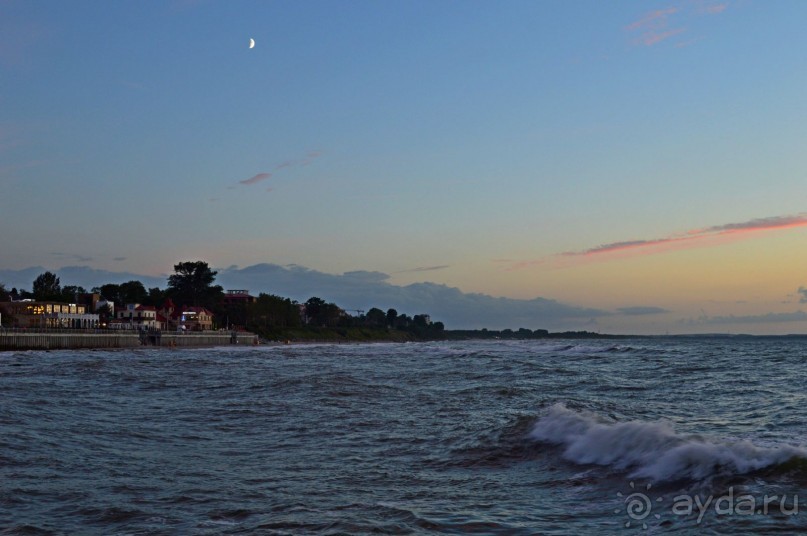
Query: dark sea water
{"x":534,"y":437}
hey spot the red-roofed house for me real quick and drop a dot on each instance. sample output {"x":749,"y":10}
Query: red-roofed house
{"x":189,"y":318}
{"x":195,"y":319}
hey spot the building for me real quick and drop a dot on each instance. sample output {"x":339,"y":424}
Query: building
{"x":136,"y":316}
{"x":237,"y":297}
{"x":173,"y":317}
{"x":90,"y":300}
{"x":195,"y":319}
{"x":40,"y":314}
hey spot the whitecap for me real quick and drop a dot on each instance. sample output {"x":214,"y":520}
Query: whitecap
{"x":652,"y":450}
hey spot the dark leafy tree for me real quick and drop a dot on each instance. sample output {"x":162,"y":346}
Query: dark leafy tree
{"x":105,"y":314}
{"x":16,"y":295}
{"x":332,"y":315}
{"x":121,"y":294}
{"x":403,"y":321}
{"x":314,"y":309}
{"x":192,"y":284}
{"x":110,"y":292}
{"x":321,"y":313}
{"x":392,"y":316}
{"x":70,"y":292}
{"x":376,"y":318}
{"x":133,"y":292}
{"x":6,"y":318}
{"x":267,"y":313}
{"x":47,"y":288}
{"x":156,"y":297}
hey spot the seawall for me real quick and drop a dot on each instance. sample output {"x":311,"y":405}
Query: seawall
{"x":32,"y":340}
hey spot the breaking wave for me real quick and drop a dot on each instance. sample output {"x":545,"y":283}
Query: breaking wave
{"x":654,"y":450}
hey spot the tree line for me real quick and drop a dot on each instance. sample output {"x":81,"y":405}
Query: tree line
{"x":192,"y":284}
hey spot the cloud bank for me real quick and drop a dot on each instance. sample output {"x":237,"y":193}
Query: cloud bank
{"x":366,"y":289}
{"x":82,"y":276}
{"x":734,"y":229}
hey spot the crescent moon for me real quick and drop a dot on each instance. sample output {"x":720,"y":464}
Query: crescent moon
{"x":251,"y":43}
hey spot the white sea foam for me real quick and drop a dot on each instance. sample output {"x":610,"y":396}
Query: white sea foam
{"x":652,"y":449}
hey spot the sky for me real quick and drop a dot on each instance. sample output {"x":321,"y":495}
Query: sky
{"x":630,"y":167}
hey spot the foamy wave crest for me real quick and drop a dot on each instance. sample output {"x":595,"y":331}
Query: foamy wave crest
{"x":652,"y":450}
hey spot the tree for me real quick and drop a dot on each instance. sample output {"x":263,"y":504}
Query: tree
{"x":47,"y":287}
{"x":17,"y":295}
{"x":105,"y":313}
{"x":313,"y":310}
{"x":320,"y":313}
{"x":192,"y":284}
{"x":402,"y":321}
{"x":132,"y":292}
{"x":268,"y":312}
{"x":376,"y":318}
{"x":5,"y":316}
{"x":69,"y":292}
{"x":156,"y":297}
{"x":110,"y":292}
{"x":392,"y":316}
{"x":129,"y":292}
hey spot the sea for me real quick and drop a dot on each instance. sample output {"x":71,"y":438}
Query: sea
{"x":700,"y":435}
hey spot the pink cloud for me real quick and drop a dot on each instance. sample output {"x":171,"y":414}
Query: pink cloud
{"x":307,"y":159}
{"x":662,"y":24}
{"x":257,"y":178}
{"x":760,"y":224}
{"x":716,"y":234}
{"x":654,"y":245}
{"x":715,"y":8}
{"x":654,"y":18}
{"x":652,"y":38}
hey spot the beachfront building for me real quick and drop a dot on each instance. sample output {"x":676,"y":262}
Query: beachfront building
{"x":238,"y":297}
{"x":173,"y":317}
{"x":42,"y":314}
{"x":136,"y":316}
{"x":195,"y":319}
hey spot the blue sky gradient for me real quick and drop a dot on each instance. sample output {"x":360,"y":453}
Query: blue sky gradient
{"x":485,"y":138}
